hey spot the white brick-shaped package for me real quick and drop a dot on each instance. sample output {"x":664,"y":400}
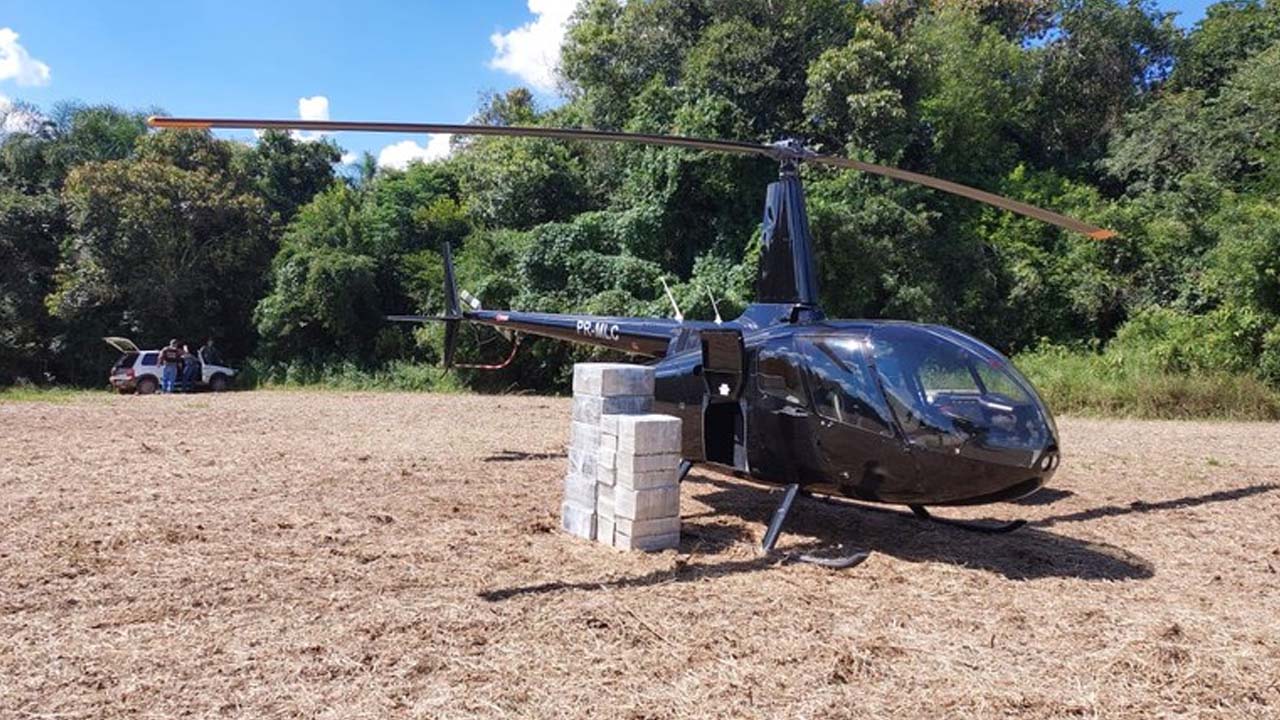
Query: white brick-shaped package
{"x":604,"y":501}
{"x":580,"y":490}
{"x":645,"y":434}
{"x":612,"y":379}
{"x":608,"y":441}
{"x":606,"y":476}
{"x":578,"y":521}
{"x":648,"y":504}
{"x":641,"y":472}
{"x":589,"y":408}
{"x":584,"y":436}
{"x":605,"y":529}
{"x":646,"y":528}
{"x":647,"y":480}
{"x":632,"y":463}
{"x":647,"y":543}
{"x":582,"y":461}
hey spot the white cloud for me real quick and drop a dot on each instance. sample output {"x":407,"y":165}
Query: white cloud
{"x":399,"y":155}
{"x":17,"y":64}
{"x":18,"y":119}
{"x":348,"y":158}
{"x":532,"y":51}
{"x":315,"y":107}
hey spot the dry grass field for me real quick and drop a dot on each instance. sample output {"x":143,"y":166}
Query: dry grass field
{"x":290,"y":554}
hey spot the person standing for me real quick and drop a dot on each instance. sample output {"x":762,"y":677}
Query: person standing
{"x":209,"y":354}
{"x":190,"y":369}
{"x":170,"y":358}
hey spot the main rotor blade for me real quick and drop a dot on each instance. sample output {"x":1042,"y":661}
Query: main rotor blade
{"x":972,"y":193}
{"x":785,"y":151}
{"x":729,"y":146}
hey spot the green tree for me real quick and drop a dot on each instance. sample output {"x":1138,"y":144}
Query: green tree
{"x":1230,"y":33}
{"x":155,"y":251}
{"x":30,"y":226}
{"x":1103,"y":59}
{"x":974,"y":95}
{"x":324,"y":301}
{"x":860,"y":94}
{"x":286,"y":173}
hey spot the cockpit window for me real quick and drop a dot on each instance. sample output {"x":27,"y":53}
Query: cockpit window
{"x":841,"y":383}
{"x":778,"y":374}
{"x":996,"y":382}
{"x":947,"y":373}
{"x":946,"y":394}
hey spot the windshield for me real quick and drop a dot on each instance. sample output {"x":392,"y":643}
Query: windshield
{"x":954,"y":392}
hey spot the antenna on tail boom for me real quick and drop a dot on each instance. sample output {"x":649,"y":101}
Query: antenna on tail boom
{"x":679,"y":315}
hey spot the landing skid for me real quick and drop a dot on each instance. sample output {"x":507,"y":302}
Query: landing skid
{"x":988,"y":529}
{"x":775,"y":529}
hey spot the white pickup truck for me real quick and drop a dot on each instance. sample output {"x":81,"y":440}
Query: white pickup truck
{"x":139,"y":370}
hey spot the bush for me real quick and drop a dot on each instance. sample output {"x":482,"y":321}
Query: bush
{"x":1119,"y":383}
{"x":395,"y":376}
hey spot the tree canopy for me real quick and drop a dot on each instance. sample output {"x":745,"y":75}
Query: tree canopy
{"x":1098,"y":108}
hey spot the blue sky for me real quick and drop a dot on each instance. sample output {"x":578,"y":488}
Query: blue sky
{"x":404,"y":61}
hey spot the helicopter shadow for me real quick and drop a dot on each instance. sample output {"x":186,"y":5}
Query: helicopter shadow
{"x":522,"y":456}
{"x":1139,"y":506}
{"x":1044,"y":496}
{"x":816,"y":526}
{"x":1028,"y":554}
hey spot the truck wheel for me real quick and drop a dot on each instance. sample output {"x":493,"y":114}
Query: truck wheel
{"x":147,"y":386}
{"x":218,"y":383}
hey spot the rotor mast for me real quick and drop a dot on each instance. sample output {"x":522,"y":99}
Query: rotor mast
{"x":788,"y":271}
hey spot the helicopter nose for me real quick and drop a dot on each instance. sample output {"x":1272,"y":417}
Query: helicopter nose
{"x":1049,"y":461}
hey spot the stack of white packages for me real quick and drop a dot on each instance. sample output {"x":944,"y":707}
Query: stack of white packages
{"x":599,"y":389}
{"x":621,"y":488}
{"x":638,"y":495}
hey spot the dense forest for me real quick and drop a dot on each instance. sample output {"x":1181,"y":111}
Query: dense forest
{"x":1101,"y":109}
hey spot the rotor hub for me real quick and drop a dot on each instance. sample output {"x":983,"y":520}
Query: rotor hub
{"x":790,"y":151}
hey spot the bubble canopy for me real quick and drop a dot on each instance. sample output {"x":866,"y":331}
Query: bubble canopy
{"x":945,"y":392}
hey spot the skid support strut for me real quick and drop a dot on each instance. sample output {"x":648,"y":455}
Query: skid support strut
{"x":683,"y":470}
{"x":779,"y":517}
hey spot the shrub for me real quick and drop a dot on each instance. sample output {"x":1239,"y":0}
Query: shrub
{"x":1120,"y":383}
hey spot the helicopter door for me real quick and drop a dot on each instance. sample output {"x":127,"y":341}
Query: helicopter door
{"x":856,"y":444}
{"x":723,"y":362}
{"x":780,"y":433}
{"x":723,"y":359}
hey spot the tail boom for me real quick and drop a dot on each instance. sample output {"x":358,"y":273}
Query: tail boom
{"x":639,"y":336}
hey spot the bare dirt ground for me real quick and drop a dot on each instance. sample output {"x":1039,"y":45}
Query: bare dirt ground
{"x":281,"y":554}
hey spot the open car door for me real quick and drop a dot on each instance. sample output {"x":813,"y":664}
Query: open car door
{"x":124,"y":345}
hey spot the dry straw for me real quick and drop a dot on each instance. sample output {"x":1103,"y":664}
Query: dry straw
{"x":348,"y":556}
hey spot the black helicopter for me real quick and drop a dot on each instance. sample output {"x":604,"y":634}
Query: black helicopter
{"x":873,"y":410}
